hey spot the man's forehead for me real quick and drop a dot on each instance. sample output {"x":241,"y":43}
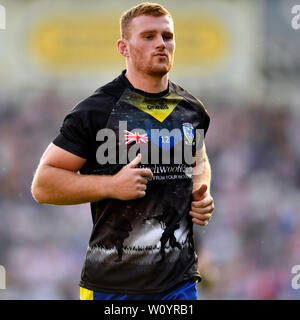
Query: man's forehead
{"x":145,"y":23}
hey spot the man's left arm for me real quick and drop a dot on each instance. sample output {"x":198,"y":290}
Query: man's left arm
{"x":203,"y":203}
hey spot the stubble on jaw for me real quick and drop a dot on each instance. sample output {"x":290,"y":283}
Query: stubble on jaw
{"x":149,"y":68}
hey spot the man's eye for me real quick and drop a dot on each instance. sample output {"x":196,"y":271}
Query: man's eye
{"x":148,"y":37}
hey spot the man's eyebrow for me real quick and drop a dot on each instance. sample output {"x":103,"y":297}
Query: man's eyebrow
{"x":155,"y":31}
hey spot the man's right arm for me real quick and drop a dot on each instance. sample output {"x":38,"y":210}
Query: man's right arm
{"x":57,"y":182}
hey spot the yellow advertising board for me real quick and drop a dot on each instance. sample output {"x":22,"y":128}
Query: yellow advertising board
{"x":70,"y":42}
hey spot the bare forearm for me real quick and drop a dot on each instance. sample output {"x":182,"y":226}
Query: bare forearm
{"x":202,"y":176}
{"x":57,"y":186}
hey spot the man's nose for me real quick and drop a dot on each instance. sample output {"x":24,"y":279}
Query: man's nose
{"x":160,"y":42}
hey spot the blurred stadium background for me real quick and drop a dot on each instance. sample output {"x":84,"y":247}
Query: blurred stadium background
{"x":240,"y":57}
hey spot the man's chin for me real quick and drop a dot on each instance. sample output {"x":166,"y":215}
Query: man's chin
{"x":160,"y":71}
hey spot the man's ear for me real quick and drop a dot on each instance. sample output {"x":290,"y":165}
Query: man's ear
{"x":122,"y":47}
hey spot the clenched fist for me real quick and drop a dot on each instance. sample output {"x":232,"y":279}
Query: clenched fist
{"x":130,"y":182}
{"x":202,"y":206}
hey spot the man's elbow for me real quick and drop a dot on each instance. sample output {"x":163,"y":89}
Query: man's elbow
{"x":37,"y":192}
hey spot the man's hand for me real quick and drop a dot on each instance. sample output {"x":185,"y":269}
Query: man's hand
{"x":202,"y":206}
{"x":130,"y":182}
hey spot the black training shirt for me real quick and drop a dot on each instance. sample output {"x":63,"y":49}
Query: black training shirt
{"x":143,"y":245}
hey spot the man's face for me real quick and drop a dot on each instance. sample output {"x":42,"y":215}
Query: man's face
{"x":151,"y":45}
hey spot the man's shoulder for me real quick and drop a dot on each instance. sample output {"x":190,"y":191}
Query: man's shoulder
{"x":112,"y":89}
{"x":189,"y":97}
{"x":102,"y":98}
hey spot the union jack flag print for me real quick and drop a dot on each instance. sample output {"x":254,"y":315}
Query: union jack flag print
{"x":135,"y":137}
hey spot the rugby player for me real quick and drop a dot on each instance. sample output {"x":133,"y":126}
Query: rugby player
{"x":141,"y":246}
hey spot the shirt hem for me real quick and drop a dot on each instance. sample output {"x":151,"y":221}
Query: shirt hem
{"x":96,"y":288}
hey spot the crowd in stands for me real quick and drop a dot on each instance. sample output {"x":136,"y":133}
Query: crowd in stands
{"x":247,"y":250}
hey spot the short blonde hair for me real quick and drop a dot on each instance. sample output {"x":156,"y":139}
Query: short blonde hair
{"x":145,"y":8}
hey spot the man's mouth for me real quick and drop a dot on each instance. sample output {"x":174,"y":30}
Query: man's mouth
{"x":161,"y":55}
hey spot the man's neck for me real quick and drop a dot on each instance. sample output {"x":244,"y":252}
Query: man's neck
{"x":146,"y":82}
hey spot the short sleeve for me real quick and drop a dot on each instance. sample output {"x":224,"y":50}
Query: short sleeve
{"x":201,"y":130}
{"x":73,"y":136}
{"x":206,"y":121}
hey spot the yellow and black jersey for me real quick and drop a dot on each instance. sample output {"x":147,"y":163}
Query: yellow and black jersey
{"x":143,"y":245}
